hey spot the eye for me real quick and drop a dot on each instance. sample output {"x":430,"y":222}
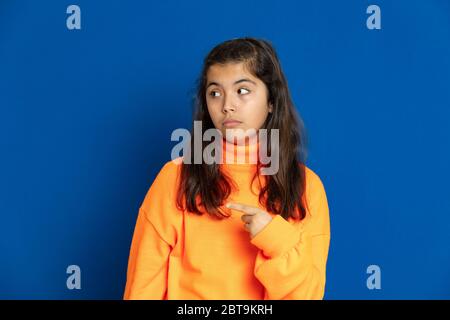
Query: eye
{"x":212,"y":93}
{"x":245,"y":90}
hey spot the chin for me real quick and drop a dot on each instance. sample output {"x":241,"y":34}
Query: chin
{"x":236,"y":136}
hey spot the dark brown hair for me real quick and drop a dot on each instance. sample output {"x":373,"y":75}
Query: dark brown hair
{"x":205,"y":185}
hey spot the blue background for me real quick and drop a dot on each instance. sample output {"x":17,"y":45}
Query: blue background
{"x":86,"y":117}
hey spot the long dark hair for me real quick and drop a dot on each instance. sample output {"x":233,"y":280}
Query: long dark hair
{"x":205,"y":185}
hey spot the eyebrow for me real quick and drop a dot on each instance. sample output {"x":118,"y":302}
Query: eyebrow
{"x":236,"y":82}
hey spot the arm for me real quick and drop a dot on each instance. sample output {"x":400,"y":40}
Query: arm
{"x":155,"y":236}
{"x":148,"y":262}
{"x":291,"y":262}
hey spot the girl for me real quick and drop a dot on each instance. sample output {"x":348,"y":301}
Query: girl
{"x":223,"y":230}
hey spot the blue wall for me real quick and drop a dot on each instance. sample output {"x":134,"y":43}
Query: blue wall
{"x":86,"y":117}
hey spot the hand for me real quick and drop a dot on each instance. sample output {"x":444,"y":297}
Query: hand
{"x":254,"y":218}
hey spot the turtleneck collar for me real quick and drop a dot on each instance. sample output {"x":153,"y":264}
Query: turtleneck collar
{"x":243,"y":155}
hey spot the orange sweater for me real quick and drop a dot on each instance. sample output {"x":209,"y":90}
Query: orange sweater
{"x":179,"y":255}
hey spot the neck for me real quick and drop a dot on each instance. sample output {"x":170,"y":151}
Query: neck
{"x":241,"y":154}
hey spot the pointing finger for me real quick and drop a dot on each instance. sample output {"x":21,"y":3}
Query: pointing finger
{"x":243,"y":208}
{"x":247,"y":218}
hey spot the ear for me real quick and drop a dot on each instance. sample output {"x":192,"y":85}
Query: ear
{"x":270,"y":108}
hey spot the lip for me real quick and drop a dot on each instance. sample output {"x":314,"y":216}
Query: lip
{"x":231,"y":123}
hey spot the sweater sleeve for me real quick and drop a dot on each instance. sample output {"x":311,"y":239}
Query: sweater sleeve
{"x":291,"y":262}
{"x":148,"y":262}
{"x":153,"y":239}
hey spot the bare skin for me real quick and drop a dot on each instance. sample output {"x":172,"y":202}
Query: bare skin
{"x":234,"y":93}
{"x":255,"y":219}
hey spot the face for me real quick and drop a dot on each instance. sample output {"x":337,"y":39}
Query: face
{"x":232,"y":93}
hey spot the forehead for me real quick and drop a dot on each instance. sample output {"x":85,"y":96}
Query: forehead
{"x":228,"y":73}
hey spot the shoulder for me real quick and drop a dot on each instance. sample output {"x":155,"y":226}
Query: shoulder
{"x":317,"y":220}
{"x":313,"y":181}
{"x":170,"y":170}
{"x":315,"y":193}
{"x":165,"y":181}
{"x":159,"y":205}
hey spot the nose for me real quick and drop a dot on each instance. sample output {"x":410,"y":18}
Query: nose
{"x":228,"y":106}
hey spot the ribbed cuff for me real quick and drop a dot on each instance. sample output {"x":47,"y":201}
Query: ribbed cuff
{"x":277,"y":237}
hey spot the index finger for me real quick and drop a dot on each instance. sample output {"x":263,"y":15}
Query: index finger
{"x":243,"y":208}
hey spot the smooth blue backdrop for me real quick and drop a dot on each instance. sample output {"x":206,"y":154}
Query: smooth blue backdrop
{"x":86,"y":118}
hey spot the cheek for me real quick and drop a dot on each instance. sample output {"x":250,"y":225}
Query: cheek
{"x":214,"y":111}
{"x":259,"y":120}
{"x":257,"y":113}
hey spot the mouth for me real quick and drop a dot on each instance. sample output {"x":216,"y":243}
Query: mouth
{"x":231,"y":123}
